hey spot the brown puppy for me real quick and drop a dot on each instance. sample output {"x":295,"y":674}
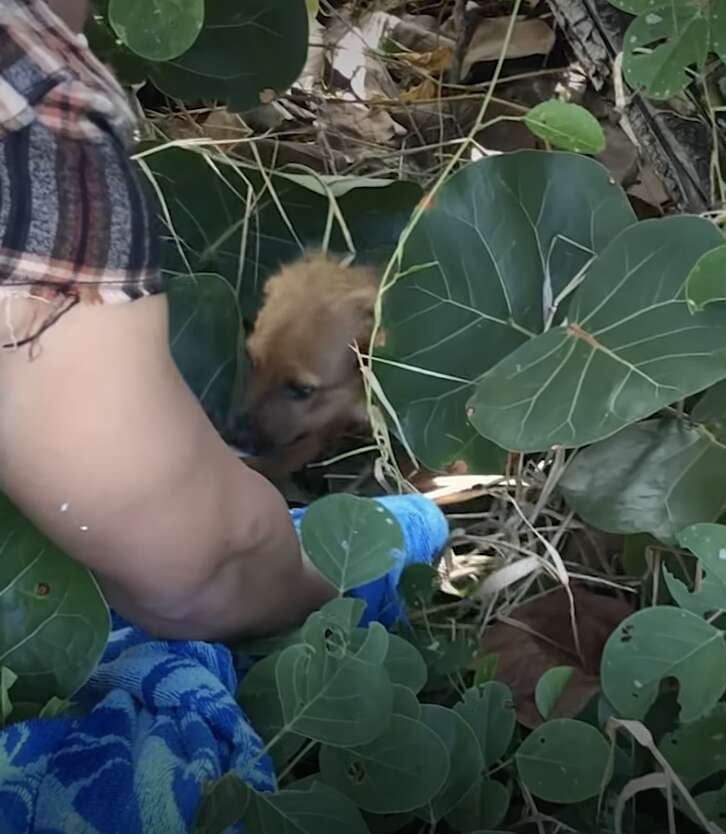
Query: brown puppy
{"x":306,"y":389}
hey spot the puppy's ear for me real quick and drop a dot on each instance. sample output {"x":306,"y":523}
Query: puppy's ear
{"x":363,"y":301}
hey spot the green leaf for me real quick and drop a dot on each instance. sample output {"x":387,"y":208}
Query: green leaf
{"x":660,"y":46}
{"x":405,"y":665}
{"x":465,"y":759}
{"x":54,"y":623}
{"x":500,"y":241}
{"x":486,"y":803}
{"x":204,"y":331}
{"x":232,"y":57}
{"x":319,"y":810}
{"x":259,"y":698}
{"x":405,"y":702}
{"x":711,"y":596}
{"x":158,"y":30}
{"x":222,"y":804}
{"x":550,"y":688}
{"x":563,"y":761}
{"x":128,"y":67}
{"x":252,"y":225}
{"x":566,"y":126}
{"x":656,"y":477}
{"x":417,"y":585}
{"x":399,"y":771}
{"x":707,"y":280}
{"x":489,"y":711}
{"x":7,"y":680}
{"x":659,"y":643}
{"x":708,"y":543}
{"x":629,"y":347}
{"x":345,"y":612}
{"x":338,"y":700}
{"x":696,"y":750}
{"x":54,"y":708}
{"x":350,"y":540}
{"x":711,"y":407}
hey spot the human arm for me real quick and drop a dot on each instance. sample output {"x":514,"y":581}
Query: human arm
{"x":104,"y":447}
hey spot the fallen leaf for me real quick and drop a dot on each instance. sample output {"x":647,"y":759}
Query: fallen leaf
{"x":434,"y":61}
{"x":529,"y":37}
{"x":427,"y":90}
{"x":542,"y":639}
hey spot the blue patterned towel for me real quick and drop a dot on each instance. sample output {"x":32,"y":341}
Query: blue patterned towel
{"x":160,"y":720}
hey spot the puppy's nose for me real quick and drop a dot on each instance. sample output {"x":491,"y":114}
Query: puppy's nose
{"x":241,"y":434}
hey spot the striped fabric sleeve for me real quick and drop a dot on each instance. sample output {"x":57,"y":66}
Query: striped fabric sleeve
{"x":77,"y":224}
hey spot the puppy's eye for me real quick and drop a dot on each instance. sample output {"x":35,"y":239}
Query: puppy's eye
{"x":299,"y":392}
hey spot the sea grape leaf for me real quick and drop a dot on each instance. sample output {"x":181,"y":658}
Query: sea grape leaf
{"x":399,"y":771}
{"x":489,"y":711}
{"x":333,"y":697}
{"x":657,"y":476}
{"x":158,"y":30}
{"x":707,"y":280}
{"x":629,"y":346}
{"x":696,"y":750}
{"x":566,"y":126}
{"x":658,"y":643}
{"x":499,"y":242}
{"x":205,"y":331}
{"x":668,"y":38}
{"x":563,"y":761}
{"x":253,"y":224}
{"x":54,"y":622}
{"x":465,"y":759}
{"x":245,"y":54}
{"x":550,"y":687}
{"x":350,"y":540}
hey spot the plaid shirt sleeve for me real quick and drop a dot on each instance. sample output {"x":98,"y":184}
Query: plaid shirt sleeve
{"x":76,"y":224}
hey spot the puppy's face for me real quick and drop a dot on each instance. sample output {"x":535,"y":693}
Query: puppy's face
{"x":306,"y":389}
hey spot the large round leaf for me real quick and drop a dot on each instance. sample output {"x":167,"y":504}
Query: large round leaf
{"x":276,"y":218}
{"x":246,"y":53}
{"x":630,"y":345}
{"x":566,"y":126}
{"x":350,"y":540}
{"x":485,"y":803}
{"x":657,"y":477}
{"x":205,"y":331}
{"x":659,"y":643}
{"x":54,"y":622}
{"x":668,"y":38}
{"x":696,"y":750}
{"x":707,"y":542}
{"x":399,"y":771}
{"x":336,"y":699}
{"x":563,"y":761}
{"x":158,"y":30}
{"x":501,"y":240}
{"x":489,"y":711}
{"x":465,"y":759}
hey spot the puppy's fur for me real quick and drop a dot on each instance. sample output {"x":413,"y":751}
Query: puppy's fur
{"x":306,"y":389}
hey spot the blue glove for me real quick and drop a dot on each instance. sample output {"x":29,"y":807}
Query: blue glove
{"x":425,"y":531}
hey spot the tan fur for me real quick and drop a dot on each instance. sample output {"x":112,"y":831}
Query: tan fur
{"x":314,"y":311}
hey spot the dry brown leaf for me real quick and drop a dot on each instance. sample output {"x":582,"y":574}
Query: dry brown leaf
{"x":542,"y":638}
{"x":529,"y":37}
{"x":434,"y":61}
{"x":427,"y":90}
